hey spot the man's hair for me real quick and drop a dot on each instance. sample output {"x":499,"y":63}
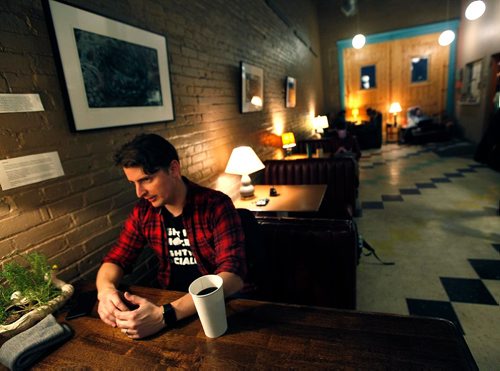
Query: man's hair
{"x":149,"y":151}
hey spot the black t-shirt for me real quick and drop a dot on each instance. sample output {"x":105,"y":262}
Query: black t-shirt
{"x":183,"y":266}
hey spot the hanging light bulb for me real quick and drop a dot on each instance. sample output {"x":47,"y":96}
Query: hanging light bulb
{"x":446,"y":37}
{"x":358,"y":41}
{"x":475,"y":10}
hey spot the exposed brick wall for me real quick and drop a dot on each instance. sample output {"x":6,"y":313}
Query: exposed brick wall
{"x":74,"y":219}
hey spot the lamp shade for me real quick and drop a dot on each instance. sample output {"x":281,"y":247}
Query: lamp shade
{"x":288,"y":140}
{"x":320,"y":123}
{"x":243,"y":161}
{"x":395,"y":108}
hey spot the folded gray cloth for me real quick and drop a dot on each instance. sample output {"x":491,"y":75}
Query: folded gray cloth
{"x":24,"y":349}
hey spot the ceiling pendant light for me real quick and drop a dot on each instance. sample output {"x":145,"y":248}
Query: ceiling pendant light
{"x":358,"y":41}
{"x":446,"y":37}
{"x":475,"y":10}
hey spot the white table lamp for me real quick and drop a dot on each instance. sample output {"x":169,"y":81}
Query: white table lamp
{"x":243,"y":161}
{"x":320,"y":123}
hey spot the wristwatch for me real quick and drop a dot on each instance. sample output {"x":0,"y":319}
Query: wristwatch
{"x":169,"y":316}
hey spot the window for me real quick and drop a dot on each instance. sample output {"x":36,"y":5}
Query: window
{"x":368,"y":77}
{"x":418,"y":69}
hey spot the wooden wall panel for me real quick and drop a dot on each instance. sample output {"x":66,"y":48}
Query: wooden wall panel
{"x":431,"y":94}
{"x":393,"y":73}
{"x":354,"y":59}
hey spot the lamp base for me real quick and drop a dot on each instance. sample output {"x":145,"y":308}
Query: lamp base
{"x":246,"y":188}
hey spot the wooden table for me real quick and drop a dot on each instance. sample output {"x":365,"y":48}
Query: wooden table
{"x":263,"y":335}
{"x":291,"y":198}
{"x":391,"y":133}
{"x":302,"y":156}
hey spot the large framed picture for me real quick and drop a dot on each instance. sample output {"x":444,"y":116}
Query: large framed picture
{"x":291,"y":92}
{"x":112,"y":74}
{"x":252,"y":88}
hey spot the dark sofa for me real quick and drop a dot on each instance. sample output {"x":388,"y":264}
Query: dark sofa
{"x":369,"y":133}
{"x":426,"y":131}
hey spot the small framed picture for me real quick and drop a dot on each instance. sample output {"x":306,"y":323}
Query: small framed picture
{"x":291,"y":92}
{"x":252,"y":88}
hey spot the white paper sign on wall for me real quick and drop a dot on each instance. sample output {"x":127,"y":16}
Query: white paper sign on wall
{"x":10,"y":103}
{"x":20,"y":171}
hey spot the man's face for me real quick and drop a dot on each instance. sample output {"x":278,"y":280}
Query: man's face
{"x":159,"y":188}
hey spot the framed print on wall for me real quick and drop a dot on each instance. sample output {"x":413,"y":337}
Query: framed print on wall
{"x":112,"y":74}
{"x":291,"y":92}
{"x":252,"y":88}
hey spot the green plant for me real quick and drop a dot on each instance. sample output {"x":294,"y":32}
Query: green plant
{"x":25,"y":287}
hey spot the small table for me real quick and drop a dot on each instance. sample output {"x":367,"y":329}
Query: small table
{"x":302,"y":156}
{"x":291,"y":198}
{"x":265,"y":335}
{"x":391,"y":132}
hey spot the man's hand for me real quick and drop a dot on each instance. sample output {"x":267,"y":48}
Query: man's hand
{"x":146,"y":320}
{"x":109,"y":302}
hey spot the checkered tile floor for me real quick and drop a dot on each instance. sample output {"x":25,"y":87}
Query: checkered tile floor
{"x":433,"y":211}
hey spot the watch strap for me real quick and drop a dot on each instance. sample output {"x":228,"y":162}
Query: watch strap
{"x":169,"y":316}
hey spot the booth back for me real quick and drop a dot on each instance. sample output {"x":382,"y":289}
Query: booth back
{"x":339,"y":174}
{"x":306,"y":261}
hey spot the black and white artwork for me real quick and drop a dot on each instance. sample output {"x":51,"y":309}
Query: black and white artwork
{"x":113,"y":74}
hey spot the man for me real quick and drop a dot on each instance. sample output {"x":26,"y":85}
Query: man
{"x":193,"y":230}
{"x":344,"y":143}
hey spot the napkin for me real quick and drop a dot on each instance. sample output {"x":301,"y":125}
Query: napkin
{"x":24,"y":349}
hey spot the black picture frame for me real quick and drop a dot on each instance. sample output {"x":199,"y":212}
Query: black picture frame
{"x":112,"y":74}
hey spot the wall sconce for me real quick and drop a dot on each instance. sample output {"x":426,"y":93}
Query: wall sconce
{"x":394,"y":109}
{"x":256,"y":101}
{"x":320,"y":123}
{"x":288,"y":140}
{"x":244,"y":161}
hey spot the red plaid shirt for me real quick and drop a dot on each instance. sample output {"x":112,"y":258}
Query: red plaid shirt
{"x":213,"y":226}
